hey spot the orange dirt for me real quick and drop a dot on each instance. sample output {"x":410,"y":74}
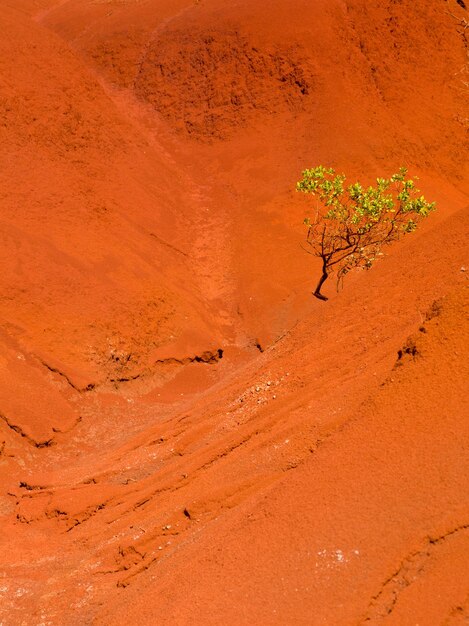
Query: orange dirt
{"x":186,"y":435}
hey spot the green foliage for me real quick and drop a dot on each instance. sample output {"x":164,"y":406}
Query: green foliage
{"x":352,"y":222}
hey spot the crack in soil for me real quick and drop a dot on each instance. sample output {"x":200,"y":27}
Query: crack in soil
{"x":383,"y":603}
{"x":47,"y":443}
{"x":24,"y":485}
{"x":168,"y":245}
{"x":87,"y":515}
{"x":55,"y":370}
{"x":207,"y":357}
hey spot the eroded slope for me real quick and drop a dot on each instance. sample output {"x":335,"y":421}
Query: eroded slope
{"x":185,"y":436}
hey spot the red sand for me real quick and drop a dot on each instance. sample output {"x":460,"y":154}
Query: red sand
{"x":186,"y":435}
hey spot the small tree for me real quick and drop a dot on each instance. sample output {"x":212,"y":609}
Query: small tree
{"x":352,"y":223}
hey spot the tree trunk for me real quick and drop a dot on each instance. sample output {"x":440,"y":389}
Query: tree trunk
{"x":317,"y":292}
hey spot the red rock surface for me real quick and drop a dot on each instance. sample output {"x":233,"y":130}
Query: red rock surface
{"x":186,"y":435}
